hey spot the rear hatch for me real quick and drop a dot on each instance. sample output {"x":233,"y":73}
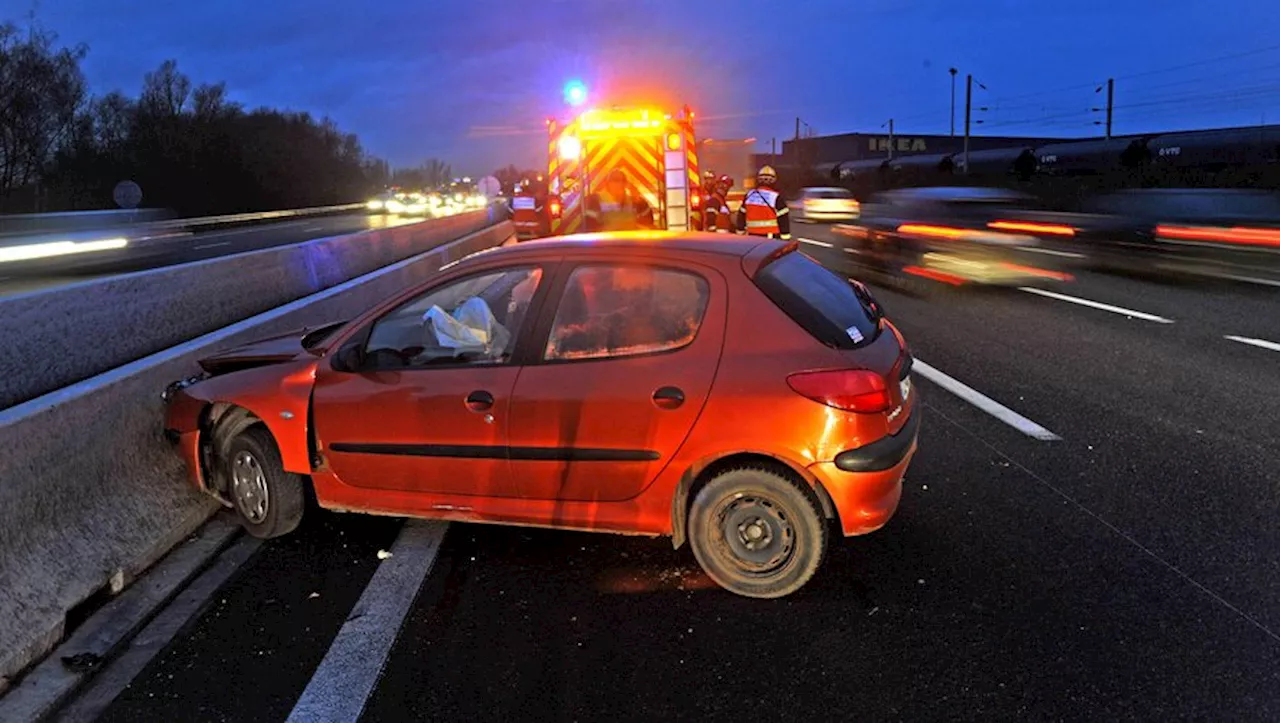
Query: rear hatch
{"x":842,"y":314}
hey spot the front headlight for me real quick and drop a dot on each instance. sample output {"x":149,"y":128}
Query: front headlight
{"x":374,"y":205}
{"x":395,"y":207}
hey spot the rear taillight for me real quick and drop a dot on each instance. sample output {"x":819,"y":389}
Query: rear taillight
{"x":695,"y":200}
{"x":853,"y":390}
{"x":553,"y":207}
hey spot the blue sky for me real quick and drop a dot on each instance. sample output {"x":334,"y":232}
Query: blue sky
{"x":469,"y":81}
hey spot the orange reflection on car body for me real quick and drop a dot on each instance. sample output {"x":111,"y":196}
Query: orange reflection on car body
{"x":616,"y":441}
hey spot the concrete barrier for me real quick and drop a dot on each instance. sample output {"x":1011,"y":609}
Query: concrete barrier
{"x":56,"y":337}
{"x":42,"y":223}
{"x":91,"y":494}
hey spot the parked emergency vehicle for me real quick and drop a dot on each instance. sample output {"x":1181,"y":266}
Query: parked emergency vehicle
{"x":655,"y":149}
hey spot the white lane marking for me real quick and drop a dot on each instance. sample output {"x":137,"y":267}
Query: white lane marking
{"x":346,"y":677}
{"x":1051,"y":252}
{"x":983,"y":402}
{"x":313,"y":229}
{"x":1260,"y":343}
{"x":1245,"y":279}
{"x":1097,"y":305}
{"x":89,"y":704}
{"x":823,"y":244}
{"x":211,"y":246}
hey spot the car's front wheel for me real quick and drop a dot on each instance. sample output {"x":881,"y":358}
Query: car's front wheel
{"x":269,"y":500}
{"x":757,"y":533}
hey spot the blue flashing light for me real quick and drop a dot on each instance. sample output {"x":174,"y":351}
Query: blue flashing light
{"x":575,"y":92}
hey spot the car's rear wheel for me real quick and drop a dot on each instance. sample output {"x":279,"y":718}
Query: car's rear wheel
{"x":757,"y":533}
{"x":269,"y":500}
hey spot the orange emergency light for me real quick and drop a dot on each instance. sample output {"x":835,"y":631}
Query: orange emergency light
{"x":553,"y":206}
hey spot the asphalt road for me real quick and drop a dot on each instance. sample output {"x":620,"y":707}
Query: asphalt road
{"x":1126,"y":570}
{"x":181,"y":248}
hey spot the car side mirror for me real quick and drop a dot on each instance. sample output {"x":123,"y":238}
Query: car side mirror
{"x":350,"y":357}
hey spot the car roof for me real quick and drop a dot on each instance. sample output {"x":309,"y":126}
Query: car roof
{"x":622,"y":241}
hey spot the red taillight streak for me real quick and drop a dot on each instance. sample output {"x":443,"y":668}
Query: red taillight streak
{"x":1052,"y":229}
{"x":921,"y":229}
{"x":935,"y":275}
{"x":1232,"y":235}
{"x":852,"y":390}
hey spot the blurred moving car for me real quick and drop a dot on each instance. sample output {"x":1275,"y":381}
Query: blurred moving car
{"x":729,"y":392}
{"x":408,"y":204}
{"x":1216,"y":232}
{"x":956,"y":236}
{"x":827,"y":204}
{"x":378,"y":204}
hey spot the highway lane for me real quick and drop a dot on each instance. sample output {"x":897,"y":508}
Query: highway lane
{"x":180,"y":248}
{"x":1127,"y":569}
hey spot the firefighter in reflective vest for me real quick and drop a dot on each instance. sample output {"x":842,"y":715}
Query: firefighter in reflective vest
{"x":716,"y":208}
{"x":617,"y":207}
{"x":764,"y":211}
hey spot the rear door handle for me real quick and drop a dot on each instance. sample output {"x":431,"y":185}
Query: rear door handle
{"x":668,"y":397}
{"x":480,"y":401}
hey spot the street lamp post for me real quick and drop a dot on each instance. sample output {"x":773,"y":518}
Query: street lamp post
{"x":953,"y":72}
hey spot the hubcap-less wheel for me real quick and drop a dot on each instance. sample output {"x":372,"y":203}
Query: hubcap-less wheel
{"x":756,"y":532}
{"x":249,"y":487}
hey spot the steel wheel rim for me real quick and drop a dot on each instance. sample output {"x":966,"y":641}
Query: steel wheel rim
{"x":755,"y":534}
{"x":249,"y":487}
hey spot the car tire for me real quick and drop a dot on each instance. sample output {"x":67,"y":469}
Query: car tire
{"x":268,"y":500}
{"x":757,"y":533}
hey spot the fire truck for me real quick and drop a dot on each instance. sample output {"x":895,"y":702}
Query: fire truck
{"x":655,"y":149}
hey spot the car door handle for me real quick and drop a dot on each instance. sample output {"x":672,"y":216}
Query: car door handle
{"x":480,"y":401}
{"x":668,"y":397}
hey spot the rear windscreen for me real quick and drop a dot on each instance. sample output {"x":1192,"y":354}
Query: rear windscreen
{"x":822,"y":302}
{"x":832,"y":193}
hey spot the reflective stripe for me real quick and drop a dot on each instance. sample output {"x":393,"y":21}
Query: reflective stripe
{"x":762,"y":216}
{"x":522,"y":202}
{"x":784,"y":211}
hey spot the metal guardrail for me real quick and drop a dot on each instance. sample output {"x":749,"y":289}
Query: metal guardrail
{"x":255,"y":217}
{"x":47,"y":224}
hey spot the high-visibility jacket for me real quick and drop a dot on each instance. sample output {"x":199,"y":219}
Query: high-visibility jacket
{"x":716,"y":215}
{"x":764,"y":212}
{"x":527,"y":213}
{"x":604,"y":212}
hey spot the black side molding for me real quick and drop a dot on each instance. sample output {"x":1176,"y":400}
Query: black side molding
{"x":520,"y":454}
{"x":881,"y":454}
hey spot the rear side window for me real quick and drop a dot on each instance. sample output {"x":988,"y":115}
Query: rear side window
{"x":822,"y":302}
{"x":613,"y":311}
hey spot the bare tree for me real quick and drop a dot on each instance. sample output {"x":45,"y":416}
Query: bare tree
{"x":165,"y":91}
{"x":41,"y":91}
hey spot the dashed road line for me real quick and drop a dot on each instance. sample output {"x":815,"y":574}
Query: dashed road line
{"x":1260,"y":343}
{"x":983,"y":402}
{"x":346,"y":677}
{"x":211,"y":246}
{"x":1097,"y":305}
{"x":823,"y":244}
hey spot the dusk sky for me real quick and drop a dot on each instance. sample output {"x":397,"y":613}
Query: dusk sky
{"x":470,"y":82}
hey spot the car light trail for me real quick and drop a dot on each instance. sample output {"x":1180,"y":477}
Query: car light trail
{"x":1233,"y":235}
{"x":1052,"y":229}
{"x":28,"y":252}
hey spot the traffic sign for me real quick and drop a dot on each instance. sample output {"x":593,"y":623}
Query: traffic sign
{"x":127,"y":194}
{"x":490,"y":187}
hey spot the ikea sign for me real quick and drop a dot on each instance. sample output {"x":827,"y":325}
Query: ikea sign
{"x":900,"y":144}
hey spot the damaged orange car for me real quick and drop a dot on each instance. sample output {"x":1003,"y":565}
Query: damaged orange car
{"x":730,"y":392}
